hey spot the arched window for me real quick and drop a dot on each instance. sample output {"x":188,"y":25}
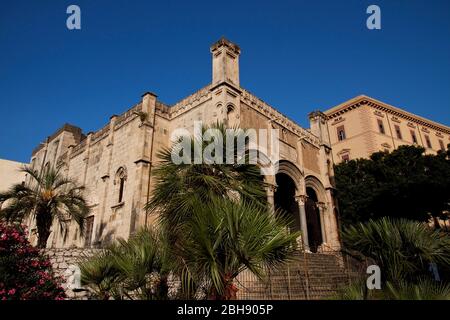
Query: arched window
{"x":230,"y":114}
{"x":121,"y":177}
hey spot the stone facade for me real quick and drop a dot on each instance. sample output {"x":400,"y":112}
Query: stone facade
{"x":10,"y":174}
{"x":115,"y":163}
{"x":363,"y":125}
{"x":62,"y":260}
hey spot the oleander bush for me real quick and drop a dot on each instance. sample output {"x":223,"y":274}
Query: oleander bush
{"x":25,"y":273}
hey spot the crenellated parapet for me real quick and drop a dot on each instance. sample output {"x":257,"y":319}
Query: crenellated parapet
{"x":190,"y":102}
{"x":262,"y":107}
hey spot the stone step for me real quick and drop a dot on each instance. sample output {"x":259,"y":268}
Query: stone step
{"x":324,"y":274}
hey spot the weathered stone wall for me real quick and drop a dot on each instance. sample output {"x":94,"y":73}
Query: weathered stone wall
{"x":62,"y":259}
{"x":307,"y":276}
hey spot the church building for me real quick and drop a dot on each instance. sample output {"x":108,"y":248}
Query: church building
{"x":115,"y":163}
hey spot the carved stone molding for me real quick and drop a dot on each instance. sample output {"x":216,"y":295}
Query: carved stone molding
{"x":301,"y":199}
{"x":384,"y":107}
{"x":321,"y":206}
{"x":279,"y":118}
{"x":271,"y":188}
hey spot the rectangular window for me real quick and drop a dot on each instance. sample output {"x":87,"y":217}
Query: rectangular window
{"x":341,"y":133}
{"x":441,"y":143}
{"x":398,"y":132}
{"x":345,"y":158}
{"x":427,"y":139}
{"x":381,"y":126}
{"x":121,"y":186}
{"x":89,"y":226}
{"x":413,"y":136}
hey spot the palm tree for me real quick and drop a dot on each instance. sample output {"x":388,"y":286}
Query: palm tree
{"x":214,"y":224}
{"x":135,"y":269}
{"x":216,"y":216}
{"x":99,"y":274}
{"x":179,"y":186}
{"x":403,"y":249}
{"x":422,"y":289}
{"x":47,"y":196}
{"x":223,"y":238}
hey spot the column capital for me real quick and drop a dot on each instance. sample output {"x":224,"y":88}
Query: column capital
{"x":301,"y":199}
{"x":321,"y":205}
{"x":271,"y":188}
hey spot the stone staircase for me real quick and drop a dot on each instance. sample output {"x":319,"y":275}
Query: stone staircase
{"x":308,"y":276}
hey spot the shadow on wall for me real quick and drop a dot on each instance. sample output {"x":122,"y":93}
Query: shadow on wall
{"x":102,"y":240}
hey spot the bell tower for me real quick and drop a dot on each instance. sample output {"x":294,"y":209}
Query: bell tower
{"x":225,"y":62}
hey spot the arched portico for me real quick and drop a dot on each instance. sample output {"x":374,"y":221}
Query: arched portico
{"x":289,"y":185}
{"x":285,"y":200}
{"x":302,"y":199}
{"x":315,"y":212}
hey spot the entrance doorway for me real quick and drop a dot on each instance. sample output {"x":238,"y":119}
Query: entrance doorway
{"x":285,"y":200}
{"x":315,"y":237}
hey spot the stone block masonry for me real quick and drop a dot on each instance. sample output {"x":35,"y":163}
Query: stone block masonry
{"x":62,"y":259}
{"x":307,"y":276}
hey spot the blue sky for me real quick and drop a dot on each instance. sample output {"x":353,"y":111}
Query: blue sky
{"x":298,"y":56}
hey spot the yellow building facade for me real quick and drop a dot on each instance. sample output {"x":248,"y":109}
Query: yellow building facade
{"x":363,"y":125}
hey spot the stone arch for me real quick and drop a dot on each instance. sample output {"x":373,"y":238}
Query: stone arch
{"x":314,"y":207}
{"x":230,"y":107}
{"x":262,"y":160}
{"x":315,"y":184}
{"x":285,"y":200}
{"x":121,"y":173}
{"x":290,"y":169}
{"x":230,"y":114}
{"x":288,"y":179}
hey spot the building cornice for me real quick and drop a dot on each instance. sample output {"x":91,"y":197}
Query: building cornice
{"x":379,"y":105}
{"x":270,"y":112}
